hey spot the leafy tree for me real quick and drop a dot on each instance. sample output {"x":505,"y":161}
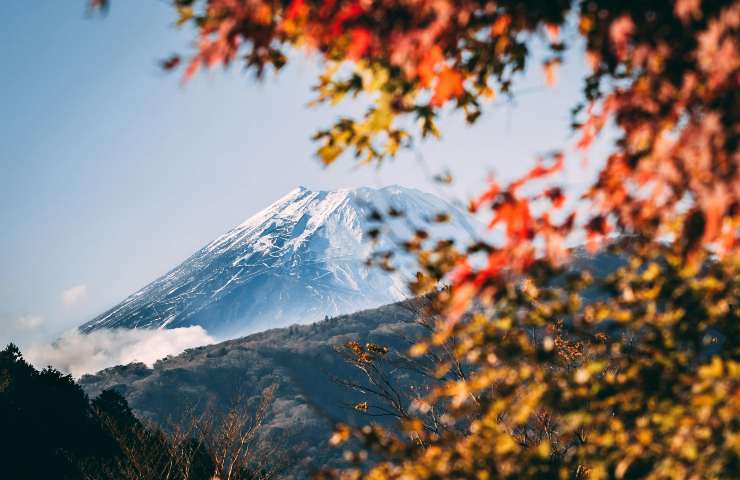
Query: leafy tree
{"x":641,"y":380}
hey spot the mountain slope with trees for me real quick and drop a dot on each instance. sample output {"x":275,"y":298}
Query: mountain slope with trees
{"x":303,"y":363}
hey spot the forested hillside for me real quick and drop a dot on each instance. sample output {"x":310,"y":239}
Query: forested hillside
{"x":305,"y":364}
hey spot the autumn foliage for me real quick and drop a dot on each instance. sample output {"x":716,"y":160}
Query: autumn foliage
{"x":639,"y":377}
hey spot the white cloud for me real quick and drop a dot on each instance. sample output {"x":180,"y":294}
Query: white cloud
{"x":78,"y":354}
{"x":19,"y":328}
{"x":28,"y":322}
{"x":74,"y":294}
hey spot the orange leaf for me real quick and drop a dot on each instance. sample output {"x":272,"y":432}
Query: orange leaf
{"x":192,"y":68}
{"x":296,"y":9}
{"x":427,"y":67}
{"x":714,"y":205}
{"x":462,"y":295}
{"x":551,"y":67}
{"x":687,"y":9}
{"x":487,"y":196}
{"x":515,"y":213}
{"x":347,"y":13}
{"x":500,"y":25}
{"x":555,"y":194}
{"x":620,"y":32}
{"x":498,"y":260}
{"x":462,"y":271}
{"x":263,"y":14}
{"x":449,"y":84}
{"x":553,"y":32}
{"x":538,"y":171}
{"x":361,"y":38}
{"x":588,"y":134}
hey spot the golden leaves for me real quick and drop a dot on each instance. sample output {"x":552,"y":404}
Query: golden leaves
{"x":184,"y":14}
{"x":712,"y":371}
{"x":329,"y":153}
{"x":340,"y":435}
{"x":620,"y":401}
{"x":418,"y":349}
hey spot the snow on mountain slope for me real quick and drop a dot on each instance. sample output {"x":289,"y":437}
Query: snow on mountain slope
{"x":297,"y":261}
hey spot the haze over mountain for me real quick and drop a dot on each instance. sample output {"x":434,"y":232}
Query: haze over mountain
{"x":297,"y":261}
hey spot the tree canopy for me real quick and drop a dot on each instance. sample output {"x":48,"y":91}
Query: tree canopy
{"x":639,"y":379}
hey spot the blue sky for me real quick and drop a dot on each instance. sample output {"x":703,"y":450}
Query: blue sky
{"x":113,"y":172}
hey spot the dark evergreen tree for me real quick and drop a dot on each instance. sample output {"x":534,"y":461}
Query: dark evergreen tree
{"x":48,"y":428}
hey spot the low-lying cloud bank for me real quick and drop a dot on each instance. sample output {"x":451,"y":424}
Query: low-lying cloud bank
{"x":78,"y":354}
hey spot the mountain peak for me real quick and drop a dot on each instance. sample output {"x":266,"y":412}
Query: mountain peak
{"x":296,"y":261}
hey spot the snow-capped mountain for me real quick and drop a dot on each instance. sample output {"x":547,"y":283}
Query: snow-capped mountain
{"x":297,"y":261}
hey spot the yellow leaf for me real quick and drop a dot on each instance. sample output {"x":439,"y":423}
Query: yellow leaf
{"x":381,"y":117}
{"x":585,"y":25}
{"x":713,"y":370}
{"x":340,"y":436}
{"x":543,"y":449}
{"x":651,"y":273}
{"x":622,"y":467}
{"x":329,"y":153}
{"x":582,"y":376}
{"x":184,"y":14}
{"x":645,"y":436}
{"x":504,"y":444}
{"x":418,"y":349}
